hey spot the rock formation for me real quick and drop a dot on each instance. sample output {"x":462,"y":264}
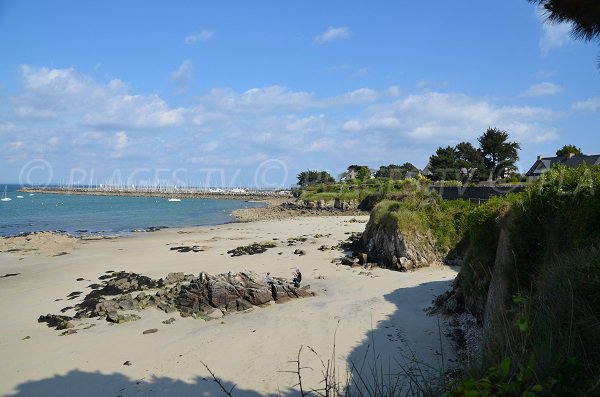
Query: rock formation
{"x":205,"y":296}
{"x":397,"y":249}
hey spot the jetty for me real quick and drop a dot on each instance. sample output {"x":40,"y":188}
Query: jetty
{"x":237,"y":193}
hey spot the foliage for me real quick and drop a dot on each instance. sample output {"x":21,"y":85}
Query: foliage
{"x":363,"y":174}
{"x":443,"y":164}
{"x":584,"y":15}
{"x":555,"y":278}
{"x":494,"y":158}
{"x":395,"y":172}
{"x":568,"y":149}
{"x":499,"y":155}
{"x":314,"y":177}
{"x":471,"y":160}
{"x":418,"y":210}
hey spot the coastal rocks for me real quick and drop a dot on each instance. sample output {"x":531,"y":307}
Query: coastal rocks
{"x":57,"y":322}
{"x":396,"y":249}
{"x":187,"y":248}
{"x":205,"y":296}
{"x":299,"y":252}
{"x":252,"y":249}
{"x":334,"y":204}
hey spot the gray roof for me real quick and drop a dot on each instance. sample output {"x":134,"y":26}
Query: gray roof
{"x":544,"y":164}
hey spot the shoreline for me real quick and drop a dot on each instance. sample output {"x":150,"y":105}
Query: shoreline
{"x":377,"y":304}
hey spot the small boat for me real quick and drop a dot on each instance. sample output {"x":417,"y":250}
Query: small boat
{"x":174,"y":199}
{"x":4,"y":198}
{"x":19,"y":196}
{"x":30,"y":194}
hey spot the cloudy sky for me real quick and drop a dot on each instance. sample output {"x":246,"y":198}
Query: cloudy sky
{"x":252,"y":92}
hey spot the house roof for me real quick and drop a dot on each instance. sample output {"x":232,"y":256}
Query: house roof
{"x":544,"y":164}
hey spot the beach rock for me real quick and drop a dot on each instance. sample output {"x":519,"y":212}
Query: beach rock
{"x":150,"y":331}
{"x":396,"y":249}
{"x":206,"y":296}
{"x":300,"y":252}
{"x":57,"y":322}
{"x":173,"y":278}
{"x":169,"y":321}
{"x":252,"y":249}
{"x":220,"y":293}
{"x":215,"y":314}
{"x":259,"y":296}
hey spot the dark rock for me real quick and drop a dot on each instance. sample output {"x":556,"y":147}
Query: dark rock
{"x":69,"y":332}
{"x":128,"y":363}
{"x":169,"y":321}
{"x":252,"y":249}
{"x":57,"y":322}
{"x":150,"y":331}
{"x":300,"y":252}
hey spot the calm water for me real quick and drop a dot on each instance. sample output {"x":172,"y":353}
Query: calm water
{"x":107,"y":214}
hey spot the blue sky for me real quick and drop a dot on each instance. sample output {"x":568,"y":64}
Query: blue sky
{"x":250,"y":93}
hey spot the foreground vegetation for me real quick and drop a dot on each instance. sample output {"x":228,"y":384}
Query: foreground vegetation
{"x":545,"y":337}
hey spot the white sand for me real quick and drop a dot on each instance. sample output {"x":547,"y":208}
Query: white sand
{"x":249,"y":350}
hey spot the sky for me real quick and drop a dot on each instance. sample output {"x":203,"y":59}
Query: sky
{"x":250,"y":93}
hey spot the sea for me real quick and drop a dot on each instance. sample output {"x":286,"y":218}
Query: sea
{"x":108,"y":215}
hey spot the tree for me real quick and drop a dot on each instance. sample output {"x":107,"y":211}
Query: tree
{"x":584,"y":15}
{"x":306,"y":178}
{"x":568,"y":149}
{"x":363,"y":173}
{"x":470,"y":162}
{"x":499,"y":155}
{"x":394,"y":171}
{"x":444,"y":165}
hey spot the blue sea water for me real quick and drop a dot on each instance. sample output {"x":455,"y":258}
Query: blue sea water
{"x":107,"y":214}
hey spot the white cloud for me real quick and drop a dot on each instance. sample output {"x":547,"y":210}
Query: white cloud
{"x":441,"y":117}
{"x":182,"y":77}
{"x":332,"y":34}
{"x":543,"y":89}
{"x":555,"y":35}
{"x":121,"y":140}
{"x":588,"y":105}
{"x":110,"y":123}
{"x":65,"y":94}
{"x":203,"y":35}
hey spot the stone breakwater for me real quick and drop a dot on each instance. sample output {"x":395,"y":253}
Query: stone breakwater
{"x":260,"y":196}
{"x":204,"y":296}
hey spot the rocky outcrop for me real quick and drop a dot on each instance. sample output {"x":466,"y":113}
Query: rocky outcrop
{"x":333,"y":204}
{"x":397,"y":249}
{"x":205,"y":296}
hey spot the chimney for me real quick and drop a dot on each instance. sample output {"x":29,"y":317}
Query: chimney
{"x":540,"y":157}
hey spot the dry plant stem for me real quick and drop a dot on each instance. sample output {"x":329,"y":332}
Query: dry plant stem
{"x":218,"y":381}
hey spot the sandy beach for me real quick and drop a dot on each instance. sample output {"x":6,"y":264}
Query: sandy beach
{"x":376,"y":312}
